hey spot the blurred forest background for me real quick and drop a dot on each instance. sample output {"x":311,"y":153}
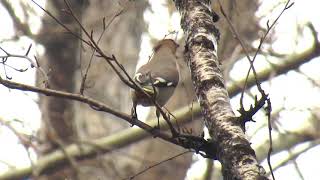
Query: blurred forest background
{"x":288,"y":67}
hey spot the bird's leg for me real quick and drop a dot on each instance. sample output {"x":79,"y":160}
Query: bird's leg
{"x":158,"y":117}
{"x":134,"y":115}
{"x":168,"y":116}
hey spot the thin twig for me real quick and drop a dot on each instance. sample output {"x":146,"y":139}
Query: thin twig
{"x":105,"y":27}
{"x":233,"y":30}
{"x":268,"y":110}
{"x":95,"y":46}
{"x":33,"y":64}
{"x":92,"y":43}
{"x":287,"y":6}
{"x":61,"y":24}
{"x":18,"y":24}
{"x":156,"y":164}
{"x":196,"y":143}
{"x":99,"y":106}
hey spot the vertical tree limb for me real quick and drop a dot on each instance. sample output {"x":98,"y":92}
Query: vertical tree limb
{"x":234,"y":152}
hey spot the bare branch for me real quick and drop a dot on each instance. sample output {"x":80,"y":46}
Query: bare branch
{"x":157,"y":164}
{"x":105,"y":27}
{"x":33,"y":64}
{"x":95,"y":147}
{"x":19,"y":26}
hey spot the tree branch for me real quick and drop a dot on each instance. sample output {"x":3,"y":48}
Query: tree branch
{"x":18,"y":24}
{"x":84,"y":151}
{"x":131,"y":135}
{"x":288,"y":63}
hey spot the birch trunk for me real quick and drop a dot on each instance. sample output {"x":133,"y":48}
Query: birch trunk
{"x":238,"y":159}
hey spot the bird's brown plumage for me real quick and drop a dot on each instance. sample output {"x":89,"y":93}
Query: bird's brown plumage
{"x":160,"y":74}
{"x":171,"y":44}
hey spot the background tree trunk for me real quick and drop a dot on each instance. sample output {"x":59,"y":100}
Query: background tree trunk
{"x":67,"y":60}
{"x":60,"y":60}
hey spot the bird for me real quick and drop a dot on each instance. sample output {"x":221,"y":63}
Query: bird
{"x":158,"y":77}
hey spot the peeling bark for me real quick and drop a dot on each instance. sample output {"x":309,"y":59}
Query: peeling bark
{"x":238,"y":159}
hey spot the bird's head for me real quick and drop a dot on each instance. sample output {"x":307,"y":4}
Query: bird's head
{"x":166,"y":43}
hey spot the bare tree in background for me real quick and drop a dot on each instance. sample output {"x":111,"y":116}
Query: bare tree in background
{"x":77,"y":141}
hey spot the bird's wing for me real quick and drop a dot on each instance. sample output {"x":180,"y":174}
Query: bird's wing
{"x":162,"y":77}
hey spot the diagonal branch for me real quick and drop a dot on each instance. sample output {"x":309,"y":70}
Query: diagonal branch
{"x":96,"y":147}
{"x":122,"y":74}
{"x":18,"y":24}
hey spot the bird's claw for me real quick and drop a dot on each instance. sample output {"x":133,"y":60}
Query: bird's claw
{"x":134,"y":116}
